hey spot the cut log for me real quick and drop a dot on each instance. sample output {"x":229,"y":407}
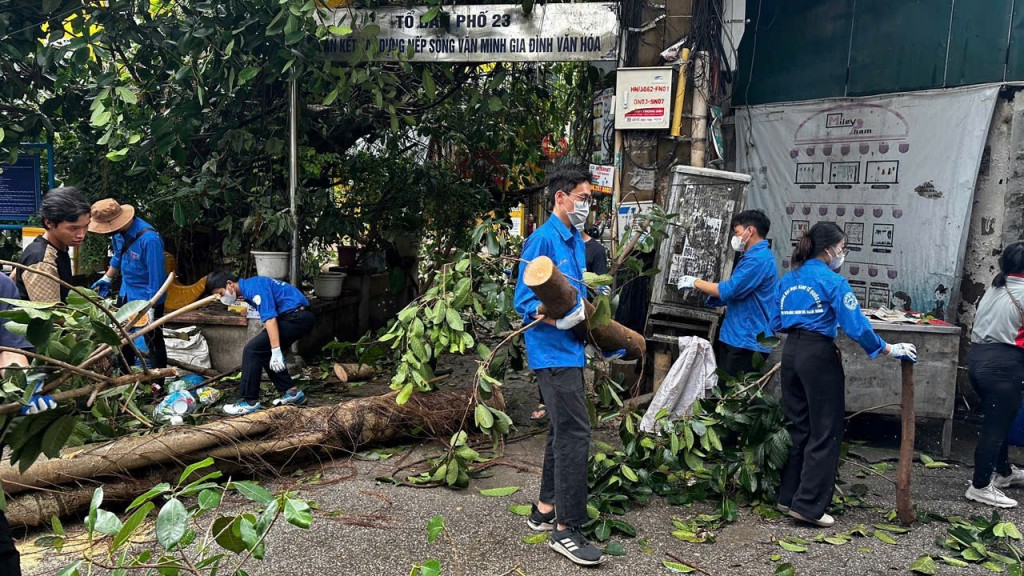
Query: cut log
{"x":904,"y":505}
{"x":251,"y":443}
{"x":354,"y":372}
{"x":558,"y":297}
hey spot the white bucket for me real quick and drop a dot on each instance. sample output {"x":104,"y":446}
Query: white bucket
{"x":328,"y":285}
{"x":271,"y":264}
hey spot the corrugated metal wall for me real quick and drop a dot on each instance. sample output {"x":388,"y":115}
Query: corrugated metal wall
{"x":807,"y":49}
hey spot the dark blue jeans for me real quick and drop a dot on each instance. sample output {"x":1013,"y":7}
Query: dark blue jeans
{"x":564,"y":480}
{"x":256,"y":355}
{"x":10,"y":560}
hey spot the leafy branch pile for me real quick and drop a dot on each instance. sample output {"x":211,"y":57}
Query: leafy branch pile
{"x":186,"y":542}
{"x":731,"y":448}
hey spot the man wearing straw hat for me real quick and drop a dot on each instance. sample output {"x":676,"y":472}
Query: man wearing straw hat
{"x":138,"y":255}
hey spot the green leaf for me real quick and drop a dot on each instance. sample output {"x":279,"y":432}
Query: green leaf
{"x":992,"y":566}
{"x":494,"y":103}
{"x":107,"y":523}
{"x":247,"y":74}
{"x":454,"y":320}
{"x":885,"y":537}
{"x":131,"y":525}
{"x":1007,"y":529}
{"x":430,"y":90}
{"x":253,"y":491}
{"x":94,"y":505}
{"x":57,"y":435}
{"x":520,"y":509}
{"x":152,"y":492}
{"x":227,"y":534}
{"x":297,"y":513}
{"x":171,"y":523}
{"x":38,"y":332}
{"x":434,"y":528}
{"x":785,"y":569}
{"x":677,"y":567}
{"x":536,"y":538}
{"x":209,"y":499}
{"x":205,"y":463}
{"x":339,"y":30}
{"x":615,"y":549}
{"x":924,"y":565}
{"x":602,"y":314}
{"x":955,"y":562}
{"x":105,"y":333}
{"x":70,"y":569}
{"x":430,"y":568}
{"x":500,"y":492}
{"x":792,"y":547}
{"x":629,"y":473}
{"x":405,"y":394}
{"x":117,"y":155}
{"x":484,"y":418}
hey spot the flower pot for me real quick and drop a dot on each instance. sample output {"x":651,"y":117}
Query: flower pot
{"x":271,"y":264}
{"x":328,"y":285}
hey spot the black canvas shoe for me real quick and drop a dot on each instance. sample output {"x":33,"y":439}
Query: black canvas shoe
{"x":573,"y":545}
{"x":541,"y":522}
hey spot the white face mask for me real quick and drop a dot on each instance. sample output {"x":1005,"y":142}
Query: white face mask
{"x":738,"y":243}
{"x":836,"y":262}
{"x":228,"y":298}
{"x":579,"y":214}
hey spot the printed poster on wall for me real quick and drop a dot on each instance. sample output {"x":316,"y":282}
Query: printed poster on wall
{"x":897,"y":173}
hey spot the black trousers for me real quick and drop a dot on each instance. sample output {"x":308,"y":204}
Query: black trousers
{"x":564,"y":479}
{"x":813,"y":388}
{"x":154,"y":341}
{"x":256,"y":354}
{"x":996,"y":372}
{"x":733,"y":360}
{"x":10,"y":560}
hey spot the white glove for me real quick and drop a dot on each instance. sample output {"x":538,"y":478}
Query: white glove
{"x":686,"y":282}
{"x":39,"y":402}
{"x":574,"y":317}
{"x":277,"y":360}
{"x":903,"y":351}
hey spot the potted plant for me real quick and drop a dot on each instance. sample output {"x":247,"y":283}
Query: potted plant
{"x":270,"y":231}
{"x":326,"y":285}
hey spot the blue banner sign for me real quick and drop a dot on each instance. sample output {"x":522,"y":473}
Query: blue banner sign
{"x":20,"y":192}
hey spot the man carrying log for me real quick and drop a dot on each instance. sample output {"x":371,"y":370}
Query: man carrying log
{"x":285,"y":314}
{"x":555,"y":354}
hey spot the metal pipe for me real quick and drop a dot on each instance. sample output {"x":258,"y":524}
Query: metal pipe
{"x":293,"y":176}
{"x":677,"y":111}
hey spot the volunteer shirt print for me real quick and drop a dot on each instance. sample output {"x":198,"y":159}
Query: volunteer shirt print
{"x":271,"y":297}
{"x":816,"y":299}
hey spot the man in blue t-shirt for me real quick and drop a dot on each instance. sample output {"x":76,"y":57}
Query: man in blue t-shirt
{"x":749,"y":294}
{"x":286,"y":317}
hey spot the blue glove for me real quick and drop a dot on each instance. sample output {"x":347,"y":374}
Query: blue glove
{"x":609,"y":356}
{"x":903,"y":351}
{"x":39,"y":403}
{"x":277,"y":360}
{"x":102,"y":286}
{"x":606,"y":290}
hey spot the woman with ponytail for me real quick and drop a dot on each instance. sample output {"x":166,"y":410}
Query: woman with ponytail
{"x":995,"y":366}
{"x":813,"y":301}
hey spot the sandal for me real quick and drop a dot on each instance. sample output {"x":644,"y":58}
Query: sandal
{"x":539,"y":413}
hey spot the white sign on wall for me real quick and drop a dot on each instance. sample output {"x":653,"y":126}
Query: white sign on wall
{"x":897,"y":173}
{"x":602,"y":179}
{"x":480,"y":33}
{"x":643,"y":98}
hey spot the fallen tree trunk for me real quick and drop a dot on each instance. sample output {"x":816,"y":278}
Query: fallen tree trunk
{"x":558,"y":297}
{"x":354,"y":372}
{"x":251,"y":443}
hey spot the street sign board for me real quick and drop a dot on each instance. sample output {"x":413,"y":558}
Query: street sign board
{"x":479,"y":33}
{"x":20,"y":188}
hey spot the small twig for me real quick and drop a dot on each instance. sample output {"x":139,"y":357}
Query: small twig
{"x":687,"y":563}
{"x":486,"y":364}
{"x":872,"y":409}
{"x":868,"y":469}
{"x":760,"y":381}
{"x":155,"y":374}
{"x":512,"y":570}
{"x":64,"y":365}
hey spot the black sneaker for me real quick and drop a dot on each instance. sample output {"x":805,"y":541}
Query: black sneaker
{"x":573,"y":545}
{"x":541,"y":522}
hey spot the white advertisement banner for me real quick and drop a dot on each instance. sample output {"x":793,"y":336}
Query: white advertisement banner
{"x":897,"y":173}
{"x":480,"y":33}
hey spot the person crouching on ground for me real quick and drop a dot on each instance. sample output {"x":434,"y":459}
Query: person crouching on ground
{"x":995,"y":366}
{"x":286,"y":317}
{"x":556,"y":354}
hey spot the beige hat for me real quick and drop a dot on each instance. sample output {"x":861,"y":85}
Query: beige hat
{"x":108,"y":216}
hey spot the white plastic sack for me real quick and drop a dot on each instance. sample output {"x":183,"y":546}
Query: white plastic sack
{"x":690,"y":377}
{"x":187,"y":345}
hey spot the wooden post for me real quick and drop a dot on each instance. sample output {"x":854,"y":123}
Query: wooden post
{"x":904,"y":506}
{"x":662,"y":365}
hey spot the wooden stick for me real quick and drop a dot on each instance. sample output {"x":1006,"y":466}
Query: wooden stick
{"x":208,"y":372}
{"x":154,"y":374}
{"x":904,"y":507}
{"x":354,"y":372}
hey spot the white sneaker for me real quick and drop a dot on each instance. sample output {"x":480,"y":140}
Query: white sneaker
{"x":1016,"y":478}
{"x":825,"y":521}
{"x":990,"y":495}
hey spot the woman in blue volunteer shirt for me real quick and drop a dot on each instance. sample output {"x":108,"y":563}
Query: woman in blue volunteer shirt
{"x":286,"y":317}
{"x":813,"y":300}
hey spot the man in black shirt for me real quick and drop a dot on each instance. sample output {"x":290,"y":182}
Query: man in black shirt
{"x":65,"y":215}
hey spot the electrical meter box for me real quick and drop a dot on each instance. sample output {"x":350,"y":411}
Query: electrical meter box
{"x":643,"y":98}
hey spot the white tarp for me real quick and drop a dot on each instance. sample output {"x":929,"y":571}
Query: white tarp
{"x":691,"y":376}
{"x":896,"y":172}
{"x":481,"y":33}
